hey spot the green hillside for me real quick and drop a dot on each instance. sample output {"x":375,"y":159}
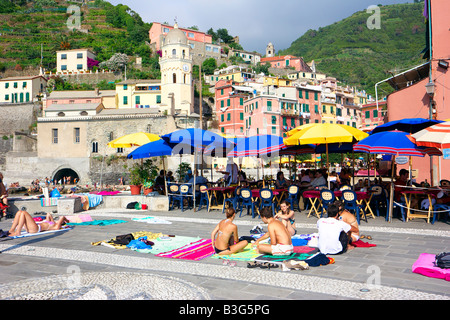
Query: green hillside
{"x":357,"y":55}
{"x":26,"y":26}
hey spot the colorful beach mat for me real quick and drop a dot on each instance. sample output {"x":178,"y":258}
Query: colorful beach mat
{"x":303,"y":253}
{"x":248,"y":254}
{"x":426,"y":267}
{"x":194,"y":251}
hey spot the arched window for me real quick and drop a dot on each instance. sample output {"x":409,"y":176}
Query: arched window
{"x":83,"y":113}
{"x":174,"y":78}
{"x":184,"y":54}
{"x":174,"y":52}
{"x":61,"y":114}
{"x":94,"y":147}
{"x":185,"y":78}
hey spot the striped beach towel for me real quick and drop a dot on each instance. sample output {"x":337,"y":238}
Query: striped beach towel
{"x":193,"y":251}
{"x":48,"y":202}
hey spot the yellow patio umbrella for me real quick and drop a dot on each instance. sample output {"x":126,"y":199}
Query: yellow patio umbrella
{"x":286,"y":160}
{"x":133,"y":140}
{"x":323,"y":133}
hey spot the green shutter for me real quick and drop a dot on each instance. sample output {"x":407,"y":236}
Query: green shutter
{"x":158,"y":99}
{"x":241,"y":101}
{"x":306,"y":94}
{"x":241,"y":116}
{"x":125,"y":100}
{"x":300,"y":93}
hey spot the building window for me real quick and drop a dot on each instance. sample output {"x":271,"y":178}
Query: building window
{"x":71,"y":101}
{"x":79,"y":56}
{"x":63,"y":67}
{"x":6,"y":97}
{"x":375,"y":113}
{"x":274,"y":130}
{"x":79,"y":66}
{"x":125,"y":100}
{"x":300,"y":93}
{"x":138,"y":99}
{"x":367,"y":114}
{"x":63,"y":56}
{"x":158,"y":99}
{"x":119,"y":150}
{"x":94,"y":147}
{"x":24,"y":84}
{"x":228,"y":102}
{"x":54,"y":136}
{"x":190,"y":34}
{"x":306,"y":94}
{"x":316,"y":96}
{"x":274,"y":120}
{"x":125,"y":87}
{"x":174,"y":78}
{"x":228,"y":116}
{"x":76,"y":135}
{"x":269,"y":105}
{"x":316,"y":108}
{"x":241,"y":117}
{"x":15,"y":85}
{"x":6,"y":85}
{"x":222,"y":118}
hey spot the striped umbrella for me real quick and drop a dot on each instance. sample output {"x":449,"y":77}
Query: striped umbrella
{"x":394,"y":143}
{"x":437,"y":136}
{"x":257,"y":146}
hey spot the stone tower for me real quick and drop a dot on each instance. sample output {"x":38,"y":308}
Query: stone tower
{"x":270,"y":50}
{"x":177,"y":90}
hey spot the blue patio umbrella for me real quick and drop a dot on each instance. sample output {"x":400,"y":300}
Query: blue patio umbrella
{"x":410,"y":125}
{"x":198,"y":139}
{"x":156,"y":148}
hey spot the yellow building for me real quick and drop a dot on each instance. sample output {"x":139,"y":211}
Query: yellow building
{"x":138,"y":94}
{"x":276,"y":81}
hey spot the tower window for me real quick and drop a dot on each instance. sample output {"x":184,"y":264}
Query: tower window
{"x":174,"y":78}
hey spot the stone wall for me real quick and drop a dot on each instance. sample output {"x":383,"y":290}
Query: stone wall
{"x":17,"y":117}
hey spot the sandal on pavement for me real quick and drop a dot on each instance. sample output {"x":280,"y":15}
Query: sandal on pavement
{"x":253,"y":264}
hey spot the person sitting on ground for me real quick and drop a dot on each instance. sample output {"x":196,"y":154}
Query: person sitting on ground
{"x":281,"y":182}
{"x":333,"y":233}
{"x":286,"y":216}
{"x":280,"y":239}
{"x":348,"y":217}
{"x":227,"y":240}
{"x":3,"y":196}
{"x":23,"y":219}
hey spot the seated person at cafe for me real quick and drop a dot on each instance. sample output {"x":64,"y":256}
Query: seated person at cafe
{"x":344,"y":177}
{"x":318,"y":181}
{"x":160,"y":184}
{"x":281,"y":182}
{"x":231,"y":172}
{"x":198,"y":179}
{"x":401,"y":180}
{"x":443,"y":197}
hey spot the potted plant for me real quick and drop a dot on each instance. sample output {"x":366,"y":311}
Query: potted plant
{"x":140,"y":173}
{"x":148,"y":187}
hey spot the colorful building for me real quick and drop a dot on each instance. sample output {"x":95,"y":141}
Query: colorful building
{"x":76,"y":60}
{"x":372,"y":115}
{"x":22,"y":89}
{"x":411,"y":98}
{"x":287,"y":61}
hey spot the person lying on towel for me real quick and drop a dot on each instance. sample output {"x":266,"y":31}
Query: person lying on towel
{"x":227,"y":241}
{"x":280,"y":238}
{"x":23,"y":219}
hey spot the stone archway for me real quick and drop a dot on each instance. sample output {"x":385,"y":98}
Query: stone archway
{"x":66,"y":172}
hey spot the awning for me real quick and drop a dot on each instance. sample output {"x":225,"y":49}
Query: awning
{"x":409,"y":77}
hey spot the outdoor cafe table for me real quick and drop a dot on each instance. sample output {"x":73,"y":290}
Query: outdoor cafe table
{"x":409,"y":194}
{"x":314,"y":199}
{"x":212,"y":194}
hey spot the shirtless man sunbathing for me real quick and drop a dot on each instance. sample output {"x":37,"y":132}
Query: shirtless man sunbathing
{"x":280,"y":238}
{"x":23,"y":219}
{"x":227,"y":241}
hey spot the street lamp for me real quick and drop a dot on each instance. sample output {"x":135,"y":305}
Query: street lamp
{"x":430,"y":87}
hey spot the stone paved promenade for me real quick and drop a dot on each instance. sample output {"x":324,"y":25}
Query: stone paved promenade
{"x":65,"y":266}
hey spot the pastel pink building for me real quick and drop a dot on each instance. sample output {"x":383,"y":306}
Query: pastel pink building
{"x":372,"y":115}
{"x":287,"y":61}
{"x":411,"y":100}
{"x":159,"y":30}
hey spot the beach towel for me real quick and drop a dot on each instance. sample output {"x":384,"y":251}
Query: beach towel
{"x":247,"y":254}
{"x":278,"y":259}
{"x":106,"y":193}
{"x":25,"y":234}
{"x":152,"y":220}
{"x":97,"y":222}
{"x":194,"y":251}
{"x":164,"y":244}
{"x":49,"y":202}
{"x":360,"y":243}
{"x":426,"y":267}
{"x":136,"y":235}
{"x":79,"y":218}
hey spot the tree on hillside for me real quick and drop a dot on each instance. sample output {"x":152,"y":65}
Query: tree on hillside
{"x":223,"y":35}
{"x":209,"y":65}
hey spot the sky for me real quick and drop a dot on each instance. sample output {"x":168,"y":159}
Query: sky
{"x":256,"y":22}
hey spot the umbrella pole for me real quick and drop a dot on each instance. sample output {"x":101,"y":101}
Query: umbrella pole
{"x":328,"y":170}
{"x":165,"y":177}
{"x":391,"y":191}
{"x":368,"y":170}
{"x":262,"y":168}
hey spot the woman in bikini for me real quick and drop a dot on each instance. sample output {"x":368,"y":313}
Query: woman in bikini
{"x":286,"y":215}
{"x":227,"y":240}
{"x":349,"y":218}
{"x":23,"y":219}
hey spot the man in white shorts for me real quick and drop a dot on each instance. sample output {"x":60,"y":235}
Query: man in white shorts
{"x":280,"y":239}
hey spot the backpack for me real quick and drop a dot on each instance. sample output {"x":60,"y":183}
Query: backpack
{"x":443,"y":260}
{"x":132,"y":205}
